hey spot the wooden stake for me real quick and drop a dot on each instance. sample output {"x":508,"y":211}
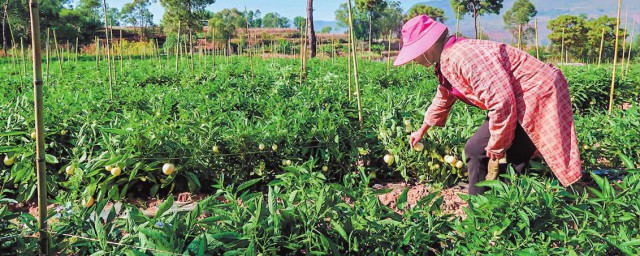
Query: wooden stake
{"x":537,"y":43}
{"x":562,"y":49}
{"x":601,"y":47}
{"x":389,"y":53}
{"x":458,"y":22}
{"x":178,"y":48}
{"x":121,"y":57}
{"x":355,"y":65}
{"x":48,"y":54}
{"x":615,"y":59}
{"x":76,"y":57}
{"x":630,"y":47}
{"x":349,"y":43}
{"x":106,"y":36}
{"x":520,"y":37}
{"x":41,"y":174}
{"x":624,"y":40}
{"x":55,"y":39}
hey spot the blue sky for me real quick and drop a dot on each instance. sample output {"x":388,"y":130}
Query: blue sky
{"x":324,"y":9}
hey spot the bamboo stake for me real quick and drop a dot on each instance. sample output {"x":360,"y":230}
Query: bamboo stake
{"x":191,"y":48}
{"x":213,"y":46}
{"x":349,"y":43}
{"x":389,"y":53}
{"x":601,"y":47}
{"x":120,"y":42}
{"x":537,"y":43}
{"x":624,"y":39}
{"x":562,"y":49}
{"x":178,"y":48}
{"x":106,"y":36}
{"x":76,"y":57}
{"x":23,"y":73}
{"x":355,"y":65}
{"x":43,"y":238}
{"x":24,"y":63}
{"x":97,"y":53}
{"x":520,"y":37}
{"x":55,"y":39}
{"x":48,"y":55}
{"x":615,"y":59}
{"x":458,"y":21}
{"x":630,"y":47}
{"x":249,"y":45}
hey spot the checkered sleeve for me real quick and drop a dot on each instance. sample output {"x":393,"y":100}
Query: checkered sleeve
{"x":438,"y":111}
{"x":488,"y":76}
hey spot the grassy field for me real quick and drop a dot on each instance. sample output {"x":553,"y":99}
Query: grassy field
{"x":287,"y":166}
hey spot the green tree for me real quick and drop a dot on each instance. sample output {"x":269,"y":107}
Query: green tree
{"x":326,"y":30}
{"x":299,"y":22}
{"x":433,"y":12}
{"x":114,"y":16}
{"x":373,"y":10}
{"x":274,"y":20}
{"x":517,"y":18}
{"x":573,"y":29}
{"x":254,"y":18}
{"x":476,"y":8}
{"x":187,"y":13}
{"x":137,"y":14}
{"x":225,"y":23}
{"x":390,"y":19}
{"x":596,"y":26}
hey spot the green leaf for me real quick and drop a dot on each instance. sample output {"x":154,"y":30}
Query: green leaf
{"x":635,"y":242}
{"x":337,"y":227}
{"x":166,"y":205}
{"x":402,"y":199}
{"x":626,"y":160}
{"x":50,"y":159}
{"x":247,"y":184}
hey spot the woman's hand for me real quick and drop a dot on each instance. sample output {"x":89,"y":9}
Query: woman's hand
{"x":417,"y":135}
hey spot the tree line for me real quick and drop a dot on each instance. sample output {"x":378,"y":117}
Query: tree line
{"x":581,"y":36}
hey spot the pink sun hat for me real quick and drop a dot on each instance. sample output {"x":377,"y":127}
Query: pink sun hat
{"x":418,"y":35}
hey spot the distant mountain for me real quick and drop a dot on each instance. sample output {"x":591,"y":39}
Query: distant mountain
{"x":493,"y":25}
{"x":319,"y":24}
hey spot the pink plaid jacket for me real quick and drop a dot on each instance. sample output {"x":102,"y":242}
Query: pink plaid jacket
{"x":514,"y":87}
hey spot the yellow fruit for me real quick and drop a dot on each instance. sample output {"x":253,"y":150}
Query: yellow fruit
{"x":459,"y":164}
{"x":325,"y":168}
{"x":216,"y":149}
{"x":585,"y":147}
{"x":436,"y":166}
{"x":388,"y":158}
{"x":70,"y":169}
{"x":407,"y":122}
{"x":115,"y":171}
{"x":108,"y":168}
{"x":261,"y":146}
{"x":450,"y":159}
{"x":418,"y":147}
{"x":63,"y":132}
{"x":8,"y":161}
{"x":33,"y":135}
{"x":168,"y":168}
{"x":288,"y":162}
{"x":88,"y":203}
{"x":274,"y":147}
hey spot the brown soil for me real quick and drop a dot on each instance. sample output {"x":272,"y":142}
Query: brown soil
{"x":452,"y":203}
